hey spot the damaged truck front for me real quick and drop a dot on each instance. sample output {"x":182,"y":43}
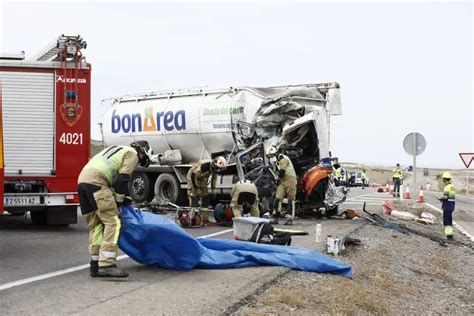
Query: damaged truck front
{"x":296,"y":120}
{"x":185,"y":126}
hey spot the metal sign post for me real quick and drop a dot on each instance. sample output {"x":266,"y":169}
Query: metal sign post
{"x":414,"y":144}
{"x":414,"y":162}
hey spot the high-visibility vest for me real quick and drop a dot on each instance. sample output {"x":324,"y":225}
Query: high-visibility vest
{"x":339,"y":172}
{"x":362,"y":176}
{"x":397,"y":173}
{"x":289,"y":169}
{"x":109,"y":161}
{"x":450,"y":193}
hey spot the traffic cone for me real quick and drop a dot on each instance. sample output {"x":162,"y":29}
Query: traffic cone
{"x":391,"y":188}
{"x":407,"y":192}
{"x":421,"y":197}
{"x":387,"y":188}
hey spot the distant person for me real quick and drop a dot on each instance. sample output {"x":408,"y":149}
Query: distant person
{"x":363,"y":177}
{"x":397,"y":178}
{"x":244,"y":197}
{"x":102,"y":187}
{"x":448,"y":200}
{"x":338,"y":171}
{"x":428,"y":185}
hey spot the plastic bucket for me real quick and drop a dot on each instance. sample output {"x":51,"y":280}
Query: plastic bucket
{"x":244,"y":226}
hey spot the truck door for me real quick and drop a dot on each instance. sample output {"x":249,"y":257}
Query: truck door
{"x":301,"y":142}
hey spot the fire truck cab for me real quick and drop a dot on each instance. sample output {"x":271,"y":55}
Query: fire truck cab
{"x":46,"y":130}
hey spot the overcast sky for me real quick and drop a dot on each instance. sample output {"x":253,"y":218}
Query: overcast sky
{"x":402,"y":67}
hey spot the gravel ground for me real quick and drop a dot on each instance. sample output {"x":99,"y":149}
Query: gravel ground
{"x":394,"y":274}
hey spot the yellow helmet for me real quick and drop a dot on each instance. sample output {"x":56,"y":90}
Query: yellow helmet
{"x":446,"y":175}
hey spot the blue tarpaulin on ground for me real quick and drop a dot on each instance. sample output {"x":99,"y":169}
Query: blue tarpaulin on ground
{"x":156,"y":240}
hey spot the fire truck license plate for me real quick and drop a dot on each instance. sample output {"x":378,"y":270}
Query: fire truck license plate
{"x":30,"y":200}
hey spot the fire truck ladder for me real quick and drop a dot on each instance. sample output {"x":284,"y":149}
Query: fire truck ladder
{"x":69,"y":44}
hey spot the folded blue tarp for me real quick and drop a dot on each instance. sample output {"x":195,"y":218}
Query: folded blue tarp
{"x":156,"y":240}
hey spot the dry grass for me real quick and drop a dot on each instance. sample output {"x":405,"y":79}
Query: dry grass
{"x":351,"y":297}
{"x":438,"y":266}
{"x":342,"y":297}
{"x":254,"y":312}
{"x":382,"y":259}
{"x":290,"y":297}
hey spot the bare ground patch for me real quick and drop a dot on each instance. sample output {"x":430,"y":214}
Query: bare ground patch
{"x":394,"y":274}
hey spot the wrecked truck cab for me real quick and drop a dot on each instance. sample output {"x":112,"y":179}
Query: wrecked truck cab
{"x":296,"y":121}
{"x":305,"y":141}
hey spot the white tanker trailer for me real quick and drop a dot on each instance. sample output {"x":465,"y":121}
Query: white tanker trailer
{"x":185,"y":126}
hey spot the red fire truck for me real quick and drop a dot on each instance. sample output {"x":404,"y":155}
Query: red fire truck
{"x":46,"y":130}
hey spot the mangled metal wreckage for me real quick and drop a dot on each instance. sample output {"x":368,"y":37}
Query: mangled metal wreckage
{"x":296,"y":121}
{"x":185,"y":126}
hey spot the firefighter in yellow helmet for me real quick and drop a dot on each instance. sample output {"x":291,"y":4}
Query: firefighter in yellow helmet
{"x":197,"y":179}
{"x":244,"y":196}
{"x":448,"y":200}
{"x":286,"y":185}
{"x":102,"y":187}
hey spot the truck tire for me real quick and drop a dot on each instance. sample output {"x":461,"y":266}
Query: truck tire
{"x":168,"y":189}
{"x":38,"y":217}
{"x":140,"y":187}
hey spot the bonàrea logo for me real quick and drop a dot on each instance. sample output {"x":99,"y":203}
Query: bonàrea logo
{"x":150,"y":122}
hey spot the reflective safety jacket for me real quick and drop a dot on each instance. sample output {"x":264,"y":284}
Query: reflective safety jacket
{"x":363,"y":176}
{"x":397,"y":173}
{"x":285,"y":164}
{"x":338,"y":172}
{"x":113,"y":161}
{"x":450,"y":194}
{"x":200,"y":173}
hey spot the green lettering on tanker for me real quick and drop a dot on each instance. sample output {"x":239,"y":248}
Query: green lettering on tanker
{"x":222,"y":111}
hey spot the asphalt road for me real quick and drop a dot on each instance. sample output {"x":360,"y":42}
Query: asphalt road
{"x":32,"y":256}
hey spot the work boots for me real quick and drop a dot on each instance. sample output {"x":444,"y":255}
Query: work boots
{"x":290,"y":207}
{"x":111,"y":271}
{"x":94,"y":268}
{"x":274,"y":219}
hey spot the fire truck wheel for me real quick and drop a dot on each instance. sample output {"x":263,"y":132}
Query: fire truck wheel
{"x":168,"y":189}
{"x":38,"y":217}
{"x":140,"y":188}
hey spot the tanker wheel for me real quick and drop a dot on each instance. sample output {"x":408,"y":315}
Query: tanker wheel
{"x":140,"y":188}
{"x":168,"y":189}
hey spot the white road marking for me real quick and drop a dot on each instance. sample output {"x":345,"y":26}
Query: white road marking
{"x":458,"y":227}
{"x":216,"y":234}
{"x":361,"y":202}
{"x":359,"y":196}
{"x":45,"y":276}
